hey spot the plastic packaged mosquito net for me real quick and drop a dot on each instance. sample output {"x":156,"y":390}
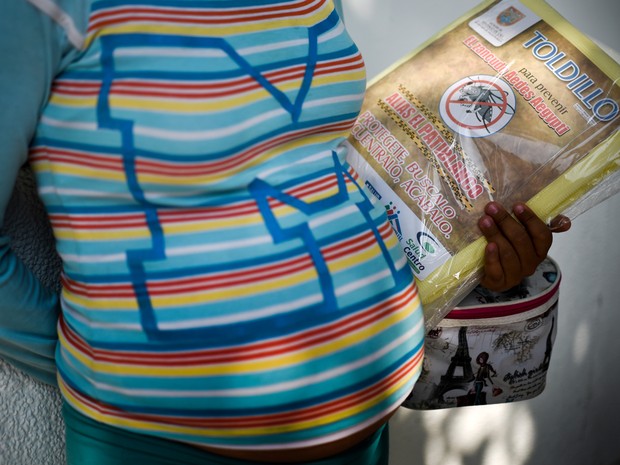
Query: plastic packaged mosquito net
{"x":509,"y":103}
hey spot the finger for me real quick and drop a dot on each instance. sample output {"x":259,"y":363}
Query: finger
{"x":518,"y":237}
{"x":539,"y":233}
{"x":560,"y":224}
{"x":493,"y":278}
{"x":506,"y":254}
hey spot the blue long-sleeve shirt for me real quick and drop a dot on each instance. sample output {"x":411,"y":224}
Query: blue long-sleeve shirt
{"x":32,"y":50}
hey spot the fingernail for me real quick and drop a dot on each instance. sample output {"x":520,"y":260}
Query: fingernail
{"x":519,"y":209}
{"x":486,"y":222}
{"x":560,"y":224}
{"x":492,"y":209}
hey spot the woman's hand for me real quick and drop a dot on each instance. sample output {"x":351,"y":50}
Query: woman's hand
{"x":515,"y":246}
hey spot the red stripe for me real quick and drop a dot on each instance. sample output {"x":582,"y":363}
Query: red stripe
{"x":248,"y":208}
{"x":119,"y":290}
{"x":222,"y":281}
{"x":95,"y":19}
{"x":88,"y":159}
{"x":504,"y":309}
{"x":97,"y":227}
{"x":103,"y":218}
{"x":236,"y":11}
{"x":193,"y":17}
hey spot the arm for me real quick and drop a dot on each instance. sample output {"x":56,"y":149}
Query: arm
{"x":31,"y":48}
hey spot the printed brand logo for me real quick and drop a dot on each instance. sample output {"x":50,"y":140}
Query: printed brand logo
{"x":428,"y":243}
{"x":509,"y":16}
{"x":392,"y":215}
{"x":478,"y":106}
{"x":426,"y":246}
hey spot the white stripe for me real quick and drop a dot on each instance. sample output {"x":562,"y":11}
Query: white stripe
{"x":272,"y":47}
{"x":335,"y":216}
{"x":63,"y":19}
{"x":305,"y":161}
{"x":360,"y":283}
{"x":219,"y":246}
{"x":68,"y":124}
{"x":331,"y":34}
{"x":108,"y":258}
{"x":52,"y":190}
{"x":174,"y":251}
{"x":333,"y":100}
{"x":170,"y":51}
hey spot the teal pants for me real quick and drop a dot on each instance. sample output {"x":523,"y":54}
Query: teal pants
{"x":92,"y":443}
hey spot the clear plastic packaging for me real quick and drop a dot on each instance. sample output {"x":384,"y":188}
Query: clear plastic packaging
{"x":509,"y":103}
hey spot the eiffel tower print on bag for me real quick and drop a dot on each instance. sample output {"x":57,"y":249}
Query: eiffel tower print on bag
{"x":492,"y":348}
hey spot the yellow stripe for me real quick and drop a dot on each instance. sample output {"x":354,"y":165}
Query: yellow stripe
{"x":332,"y":418}
{"x":350,"y":261}
{"x":84,"y":235}
{"x":261,"y":365}
{"x":391,"y":241}
{"x":57,"y":99}
{"x":211,"y":225}
{"x":108,"y":303}
{"x":80,"y":171}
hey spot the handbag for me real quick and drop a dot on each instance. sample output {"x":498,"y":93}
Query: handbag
{"x":493,"y":347}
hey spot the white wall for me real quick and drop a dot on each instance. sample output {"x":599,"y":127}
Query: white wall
{"x":575,"y":421}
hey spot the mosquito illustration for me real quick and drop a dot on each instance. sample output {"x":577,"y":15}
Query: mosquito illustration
{"x":484,"y":99}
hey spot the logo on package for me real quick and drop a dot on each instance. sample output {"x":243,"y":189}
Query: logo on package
{"x":478,"y":106}
{"x":509,"y":16}
{"x":392,"y":214}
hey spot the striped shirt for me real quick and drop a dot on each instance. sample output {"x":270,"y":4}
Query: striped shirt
{"x":227,"y":281}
